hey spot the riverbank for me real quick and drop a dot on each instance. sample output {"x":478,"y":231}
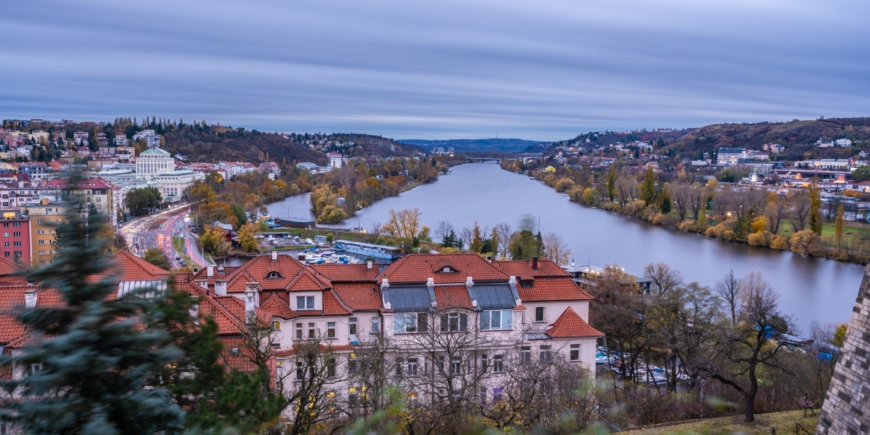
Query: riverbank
{"x":751,"y":228}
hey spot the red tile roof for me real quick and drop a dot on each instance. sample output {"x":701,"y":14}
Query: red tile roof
{"x":12,"y":299}
{"x":8,"y":267}
{"x":552,"y":289}
{"x":227,"y":322}
{"x":570,"y":325}
{"x":523,"y":269}
{"x":277,"y":307}
{"x":332,"y":306}
{"x":347,"y":272}
{"x":417,"y":268}
{"x":454,"y":296}
{"x":359,"y":296}
{"x":132,"y":268}
{"x":260,"y":267}
{"x":307,"y":281}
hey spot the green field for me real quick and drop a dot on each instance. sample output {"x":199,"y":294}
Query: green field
{"x":783,"y":421}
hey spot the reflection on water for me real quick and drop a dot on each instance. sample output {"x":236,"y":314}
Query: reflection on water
{"x":811,"y":289}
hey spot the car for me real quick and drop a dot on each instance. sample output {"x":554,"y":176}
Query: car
{"x":177,"y":258}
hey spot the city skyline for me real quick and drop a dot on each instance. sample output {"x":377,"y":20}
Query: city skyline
{"x":542,"y":71}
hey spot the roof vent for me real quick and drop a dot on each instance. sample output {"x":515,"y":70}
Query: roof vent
{"x":474,"y":303}
{"x":274,"y":255}
{"x":385,"y":283}
{"x":469,"y":282}
{"x":30,"y":299}
{"x":430,"y":283}
{"x":209,"y":271}
{"x":369,"y":265}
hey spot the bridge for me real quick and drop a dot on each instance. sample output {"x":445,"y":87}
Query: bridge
{"x":485,"y":159}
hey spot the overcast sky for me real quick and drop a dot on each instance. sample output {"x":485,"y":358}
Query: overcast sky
{"x":534,"y":69}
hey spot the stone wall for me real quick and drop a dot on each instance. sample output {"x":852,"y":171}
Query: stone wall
{"x":847,"y":404}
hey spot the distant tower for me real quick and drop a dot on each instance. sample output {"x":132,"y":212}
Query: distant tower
{"x":847,"y":404}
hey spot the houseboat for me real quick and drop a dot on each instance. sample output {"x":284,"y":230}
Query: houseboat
{"x":368,"y":249}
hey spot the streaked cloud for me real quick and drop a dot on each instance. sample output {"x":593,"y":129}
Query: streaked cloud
{"x":437,"y":69}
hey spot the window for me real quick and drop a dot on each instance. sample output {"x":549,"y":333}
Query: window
{"x":484,"y":363}
{"x":304,"y":302}
{"x":273,"y":275}
{"x":498,"y":364}
{"x":412,"y":366}
{"x":6,"y":234}
{"x":311,"y":331}
{"x":330,"y":368}
{"x":299,"y":331}
{"x":41,"y":252}
{"x":399,"y":368}
{"x":352,"y":399}
{"x":16,"y":234}
{"x":276,"y":325}
{"x":376,"y":325}
{"x":410,"y":322}
{"x":330,"y":329}
{"x":455,"y":366}
{"x":300,"y":371}
{"x":16,"y":224}
{"x":16,"y":243}
{"x":575,"y":352}
{"x":234,"y":351}
{"x":34,"y":369}
{"x":42,"y":242}
{"x":545,"y":354}
{"x":539,"y":314}
{"x":498,"y":319}
{"x":454,"y":322}
{"x":525,"y":354}
{"x":39,"y":221}
{"x":351,"y":326}
{"x":351,"y":363}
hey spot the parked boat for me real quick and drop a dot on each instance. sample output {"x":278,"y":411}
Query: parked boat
{"x":368,"y":249}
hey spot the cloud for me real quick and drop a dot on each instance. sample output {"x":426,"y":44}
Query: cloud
{"x":438,"y":69}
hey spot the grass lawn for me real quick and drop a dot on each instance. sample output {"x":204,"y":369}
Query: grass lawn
{"x":784,"y":422}
{"x":178,"y":244}
{"x":849,"y":229}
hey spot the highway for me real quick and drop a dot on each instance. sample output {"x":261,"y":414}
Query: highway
{"x":157,"y":230}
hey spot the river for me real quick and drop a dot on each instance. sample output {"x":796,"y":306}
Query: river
{"x":810,"y":288}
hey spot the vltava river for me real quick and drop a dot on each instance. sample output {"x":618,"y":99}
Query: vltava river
{"x":810,"y":288}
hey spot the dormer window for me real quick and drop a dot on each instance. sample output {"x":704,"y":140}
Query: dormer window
{"x":527,"y":283}
{"x":274,"y":275}
{"x":447,"y":269}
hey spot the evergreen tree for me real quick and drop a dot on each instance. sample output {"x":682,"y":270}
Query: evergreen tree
{"x":648,"y":187}
{"x":611,"y":181}
{"x":93,"y":358}
{"x":666,"y":202}
{"x":815,"y":208}
{"x":838,"y":226}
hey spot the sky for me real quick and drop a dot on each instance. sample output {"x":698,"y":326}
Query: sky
{"x":533,"y":69}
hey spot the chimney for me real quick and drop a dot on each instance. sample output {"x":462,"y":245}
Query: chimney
{"x":369,"y":265}
{"x":274,"y":255}
{"x":534,"y":263}
{"x":209,"y":271}
{"x":220,"y":287}
{"x":469,"y":282}
{"x":30,"y":299}
{"x":250,"y":302}
{"x":385,"y":284}
{"x":430,"y":283}
{"x":513,"y":282}
{"x":194,"y":312}
{"x":221,"y":269}
{"x":203,"y":283}
{"x":195,"y":270}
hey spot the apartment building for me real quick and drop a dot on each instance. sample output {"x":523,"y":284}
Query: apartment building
{"x":44,"y":219}
{"x":94,"y":191}
{"x":15,"y":237}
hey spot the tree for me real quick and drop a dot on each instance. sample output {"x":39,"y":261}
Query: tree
{"x":141,"y":201}
{"x":648,"y":187}
{"x":728,"y":289}
{"x":89,"y":360}
{"x":625,"y":189}
{"x":815,"y":208}
{"x":611,"y":181}
{"x":555,"y":249}
{"x":404,"y":223}
{"x":799,"y":202}
{"x":589,"y":196}
{"x":495,"y":240}
{"x":504,"y":234}
{"x":838,"y":226}
{"x":156,"y":257}
{"x":754,"y":343}
{"x":776,"y":210}
{"x":476,"y":243}
{"x":214,"y":240}
{"x":201,"y":191}
{"x":443,"y":229}
{"x":248,"y":238}
{"x":564,"y":184}
{"x":664,"y":278}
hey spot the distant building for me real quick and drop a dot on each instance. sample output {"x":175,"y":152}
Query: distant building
{"x":44,"y":219}
{"x":153,"y":161}
{"x":151,"y":138}
{"x":80,"y":137}
{"x":845,"y":143}
{"x":173,"y":184}
{"x":120,"y":140}
{"x":335,"y":160}
{"x":16,"y":236}
{"x":730,"y":156}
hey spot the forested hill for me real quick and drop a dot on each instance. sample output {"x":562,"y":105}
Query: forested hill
{"x":798,"y":136}
{"x":474,"y":145}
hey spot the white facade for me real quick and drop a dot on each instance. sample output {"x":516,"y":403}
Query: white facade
{"x":335,"y":161}
{"x":173,"y":184}
{"x":152,"y":162}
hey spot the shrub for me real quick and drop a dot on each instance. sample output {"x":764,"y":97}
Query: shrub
{"x":590,"y":196}
{"x":761,"y":238}
{"x":779,"y":242}
{"x":806,"y":242}
{"x":564,"y":184}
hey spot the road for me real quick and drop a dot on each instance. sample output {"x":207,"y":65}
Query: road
{"x":157,"y":230}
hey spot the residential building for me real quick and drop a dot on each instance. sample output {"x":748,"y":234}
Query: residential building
{"x":44,"y":219}
{"x":150,"y":137}
{"x":120,"y":140}
{"x":173,"y":184}
{"x":102,"y":140}
{"x":845,"y":143}
{"x":830,"y":164}
{"x":80,"y":138}
{"x":335,"y":160}
{"x":15,"y":237}
{"x":153,"y":161}
{"x":729,"y":156}
{"x":90,"y":191}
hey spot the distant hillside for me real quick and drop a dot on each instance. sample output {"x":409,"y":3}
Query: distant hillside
{"x":797,"y":136}
{"x":475,"y":145}
{"x":366,"y":145}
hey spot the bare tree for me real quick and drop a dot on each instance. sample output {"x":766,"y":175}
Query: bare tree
{"x":376,"y":228}
{"x":664,"y":277}
{"x":626,"y":187}
{"x":504,"y":235}
{"x":697,"y":198}
{"x":443,"y":229}
{"x":681,"y":195}
{"x":799,"y":203}
{"x":467,"y":234}
{"x":729,"y":290}
{"x":555,"y":249}
{"x":776,"y":210}
{"x":755,"y":342}
{"x":307,"y":385}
